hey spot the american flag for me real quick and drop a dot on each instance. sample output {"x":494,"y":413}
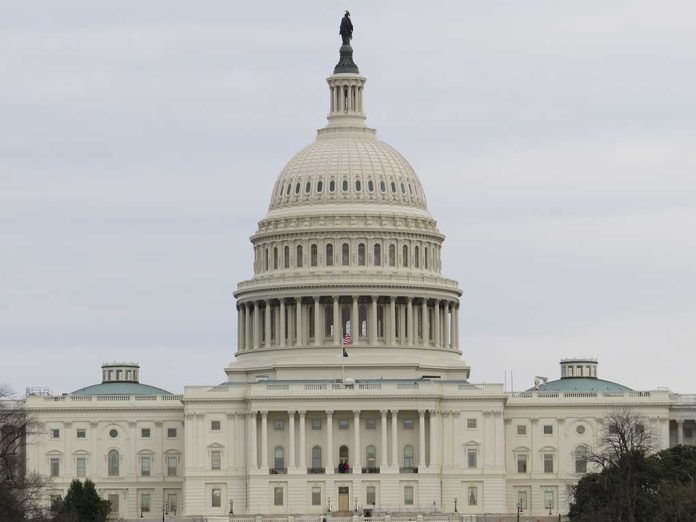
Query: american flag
{"x":347,"y":340}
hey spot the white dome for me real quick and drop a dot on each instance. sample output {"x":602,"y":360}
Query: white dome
{"x":347,"y":166}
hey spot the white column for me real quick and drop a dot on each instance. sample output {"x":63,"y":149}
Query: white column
{"x":303,"y":443}
{"x":264,"y":439}
{"x":680,"y":431}
{"x":253,"y":452}
{"x":395,"y":442}
{"x":409,"y":319}
{"x":436,"y":323}
{"x":291,"y":439}
{"x":373,"y":321}
{"x":281,"y":332}
{"x":354,"y":318}
{"x":257,"y":325}
{"x":298,"y":321}
{"x":336,"y":322}
{"x":240,"y":328}
{"x":426,"y":323}
{"x":434,"y":446}
{"x":392,"y":321}
{"x":402,"y":325}
{"x":383,"y":448}
{"x":446,"y":328}
{"x":317,"y":323}
{"x":329,"y":441}
{"x":267,"y":324}
{"x":453,"y":328}
{"x":421,"y":440}
{"x":456,"y":328}
{"x":249,"y":335}
{"x":357,"y":461}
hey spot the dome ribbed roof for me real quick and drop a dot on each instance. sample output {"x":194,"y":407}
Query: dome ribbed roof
{"x":582,"y":384}
{"x":348,"y":167}
{"x":121,"y":388}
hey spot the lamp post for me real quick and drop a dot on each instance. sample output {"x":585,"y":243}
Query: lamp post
{"x":329,"y":501}
{"x":356,"y":505}
{"x":455,"y":505}
{"x":519,"y":510}
{"x":231,"y":507}
{"x":141,"y":510}
{"x":164,"y":507}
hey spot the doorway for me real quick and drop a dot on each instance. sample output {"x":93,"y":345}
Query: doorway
{"x":344,"y":498}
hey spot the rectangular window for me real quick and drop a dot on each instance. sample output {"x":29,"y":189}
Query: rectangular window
{"x":522,"y":500}
{"x":216,"y":497}
{"x":81,"y":434}
{"x":580,"y":462}
{"x":548,"y":499}
{"x":408,"y":495}
{"x":521,"y":463}
{"x":521,"y":429}
{"x":316,"y":496}
{"x":171,"y":466}
{"x":171,"y":433}
{"x":278,"y":496}
{"x":370,"y":424}
{"x":688,"y":433}
{"x":55,"y":467}
{"x":145,"y":502}
{"x":145,"y":433}
{"x":171,"y":502}
{"x":548,"y":462}
{"x":342,"y":424}
{"x":408,"y":424}
{"x":145,"y":466}
{"x":114,"y":503}
{"x":471,"y":423}
{"x":371,"y":495}
{"x":473,"y":496}
{"x":548,"y":429}
{"x":215,"y":460}
{"x":471,"y":457}
{"x":81,"y":465}
{"x":316,"y":424}
{"x":215,"y":425}
{"x":278,"y":424}
{"x":55,"y":433}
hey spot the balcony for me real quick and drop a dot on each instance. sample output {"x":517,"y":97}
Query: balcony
{"x":408,"y":470}
{"x":316,"y":471}
{"x":278,"y":471}
{"x":343,"y":470}
{"x":370,"y":469}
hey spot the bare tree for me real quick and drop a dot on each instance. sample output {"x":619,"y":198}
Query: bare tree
{"x":19,"y":492}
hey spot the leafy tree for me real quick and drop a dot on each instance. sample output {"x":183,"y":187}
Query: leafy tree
{"x":82,"y":503}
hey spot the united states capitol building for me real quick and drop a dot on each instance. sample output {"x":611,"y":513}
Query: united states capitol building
{"x":347,"y":261}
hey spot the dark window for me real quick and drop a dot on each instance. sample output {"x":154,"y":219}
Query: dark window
{"x":344,"y":185}
{"x":370,"y":186}
{"x":332,"y":186}
{"x":299,"y":256}
{"x":361,"y":254}
{"x":313,"y":255}
{"x":377,"y":254}
{"x":382,"y":186}
{"x":345,"y":254}
{"x":297,"y":188}
{"x":358,"y":186}
{"x":329,"y":255}
{"x":308,"y":187}
{"x":320,"y":186}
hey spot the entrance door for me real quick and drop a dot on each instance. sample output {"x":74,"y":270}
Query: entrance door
{"x":343,"y":498}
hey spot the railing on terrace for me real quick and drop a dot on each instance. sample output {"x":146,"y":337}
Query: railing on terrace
{"x":583,"y":395}
{"x":370,"y":469}
{"x":278,"y":471}
{"x":321,"y":277}
{"x":108,"y":398}
{"x":316,"y":471}
{"x":408,"y":469}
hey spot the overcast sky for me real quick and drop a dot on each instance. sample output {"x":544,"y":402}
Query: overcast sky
{"x":139,"y":143}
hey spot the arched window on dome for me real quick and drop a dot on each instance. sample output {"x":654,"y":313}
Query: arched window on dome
{"x":416,"y":257}
{"x":313,"y":255}
{"x":113,"y":461}
{"x":362,"y":319}
{"x":392,"y":255}
{"x":403,"y":189}
{"x":329,"y":255}
{"x":345,"y":254}
{"x":380,"y":321}
{"x":267,"y":259}
{"x":332,"y":186}
{"x":370,"y":186}
{"x":286,"y":257}
{"x":299,"y":261}
{"x":377,"y":254}
{"x":404,"y":260}
{"x":297,"y":188}
{"x":410,"y":189}
{"x":328,"y":321}
{"x":287,"y":189}
{"x":382,"y":186}
{"x":312,"y":326}
{"x":431,"y":322}
{"x":344,"y":185}
{"x":425,"y":257}
{"x":419,"y":323}
{"x":361,"y":254}
{"x":358,"y":185}
{"x":275,"y":258}
{"x":320,"y":186}
{"x":345,"y":320}
{"x":393,"y":187}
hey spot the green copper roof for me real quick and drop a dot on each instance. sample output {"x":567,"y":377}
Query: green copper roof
{"x":120,"y":388}
{"x":582,"y":384}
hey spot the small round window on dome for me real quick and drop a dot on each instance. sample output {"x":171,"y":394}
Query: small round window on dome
{"x":320,"y":186}
{"x":308,"y":187}
{"x":344,"y":185}
{"x":113,"y":433}
{"x":382,"y":186}
{"x":580,"y":429}
{"x":370,"y":186}
{"x":358,"y":185}
{"x":297,"y":188}
{"x":393,"y":186}
{"x":332,"y":186}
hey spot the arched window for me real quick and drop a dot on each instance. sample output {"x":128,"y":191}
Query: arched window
{"x":416,"y":257}
{"x":329,"y":255}
{"x":320,"y":186}
{"x":313,"y":255}
{"x":279,"y":458}
{"x":312,"y":326}
{"x":393,"y":187}
{"x":308,"y":187}
{"x":113,"y":462}
{"x":345,"y":254}
{"x":343,"y":455}
{"x":361,"y":254}
{"x":370,"y":186}
{"x":371,"y":456}
{"x":344,"y":185}
{"x":405,"y":256}
{"x":316,"y":457}
{"x":298,"y":261}
{"x":297,"y":188}
{"x":332,"y":186}
{"x":380,"y":321}
{"x":377,"y":254}
{"x":345,"y":319}
{"x":286,"y":257}
{"x":328,"y":320}
{"x":425,"y":257}
{"x":403,"y":189}
{"x":581,"y":460}
{"x":408,"y":456}
{"x":267,"y":257}
{"x":287,"y":192}
{"x":275,"y":258}
{"x":362,"y":319}
{"x":392,"y":255}
{"x":382,"y":186}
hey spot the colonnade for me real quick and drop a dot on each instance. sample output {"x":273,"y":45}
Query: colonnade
{"x":346,"y":97}
{"x":388,"y":461}
{"x":321,"y":321}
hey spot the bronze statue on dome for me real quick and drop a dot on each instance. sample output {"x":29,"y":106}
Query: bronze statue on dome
{"x":346,"y":30}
